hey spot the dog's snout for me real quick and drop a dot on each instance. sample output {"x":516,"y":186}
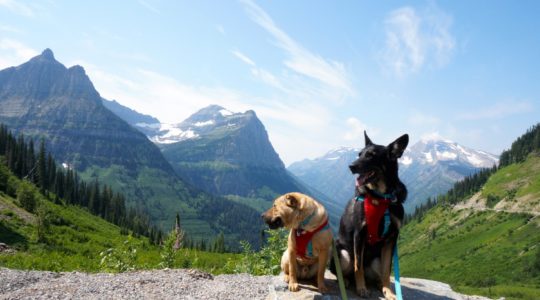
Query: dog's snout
{"x":353,"y":168}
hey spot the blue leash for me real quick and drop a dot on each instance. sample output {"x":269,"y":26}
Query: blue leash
{"x":397,"y":284}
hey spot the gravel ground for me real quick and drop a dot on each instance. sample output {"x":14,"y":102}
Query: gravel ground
{"x":186,"y":284}
{"x":156,"y":284}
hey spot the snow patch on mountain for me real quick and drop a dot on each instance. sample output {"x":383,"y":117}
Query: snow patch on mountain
{"x":206,"y":123}
{"x":226,"y":112}
{"x":432,"y":151}
{"x":171,"y":133}
{"x":406,"y":160}
{"x":148,"y":125}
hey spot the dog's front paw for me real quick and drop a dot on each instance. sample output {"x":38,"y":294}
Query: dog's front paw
{"x":388,"y":294}
{"x":363,"y":292}
{"x":293,"y":286}
{"x":286,"y":278}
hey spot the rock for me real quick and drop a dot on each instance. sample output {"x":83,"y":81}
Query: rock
{"x":4,"y":248}
{"x":186,"y":284}
{"x":412,"y":288}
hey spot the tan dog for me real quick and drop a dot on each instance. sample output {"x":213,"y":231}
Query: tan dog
{"x":307,"y":220}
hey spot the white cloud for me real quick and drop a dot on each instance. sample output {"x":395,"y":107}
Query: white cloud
{"x":420,"y":119}
{"x":18,"y":7}
{"x":331,"y":74}
{"x":432,"y":136}
{"x":159,"y":95}
{"x":13,"y":53}
{"x":414,"y":40}
{"x":356,"y":129}
{"x":243,"y":57}
{"x":498,"y":110}
{"x":149,"y":6}
{"x":11,"y":29}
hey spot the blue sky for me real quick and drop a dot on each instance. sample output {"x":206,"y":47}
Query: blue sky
{"x":317,"y":73}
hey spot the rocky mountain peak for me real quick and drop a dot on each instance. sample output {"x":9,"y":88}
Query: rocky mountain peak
{"x":47,"y":54}
{"x":213,"y":119}
{"x":431,"y":151}
{"x":207,"y":114}
{"x":46,"y":57}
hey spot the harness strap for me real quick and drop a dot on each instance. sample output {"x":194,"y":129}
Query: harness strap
{"x":304,"y":247}
{"x":375,"y":209}
{"x":397,"y":283}
{"x":386,"y":222}
{"x":307,"y":220}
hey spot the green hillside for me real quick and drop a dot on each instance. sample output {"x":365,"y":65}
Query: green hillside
{"x":61,"y":237}
{"x":516,"y":185}
{"x":485,"y":244}
{"x":71,"y":238}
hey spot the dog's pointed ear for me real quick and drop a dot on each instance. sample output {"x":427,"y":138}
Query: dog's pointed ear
{"x":366,"y":138}
{"x":291,"y":200}
{"x":397,"y":147}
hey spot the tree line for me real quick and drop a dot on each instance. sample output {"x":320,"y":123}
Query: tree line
{"x":62,"y":185}
{"x":518,"y":152}
{"x":522,"y":147}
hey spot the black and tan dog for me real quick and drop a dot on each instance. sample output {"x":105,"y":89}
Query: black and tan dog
{"x":369,"y":227}
{"x":309,"y":241}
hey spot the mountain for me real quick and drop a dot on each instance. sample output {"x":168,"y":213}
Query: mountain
{"x":44,"y":99}
{"x":144,"y":123}
{"x":431,"y":167}
{"x":226,"y":153}
{"x":428,"y":168}
{"x":482,"y":236}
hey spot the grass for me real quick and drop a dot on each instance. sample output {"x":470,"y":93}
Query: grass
{"x":481,"y":252}
{"x":76,"y":238}
{"x":496,"y":254}
{"x":516,"y":179}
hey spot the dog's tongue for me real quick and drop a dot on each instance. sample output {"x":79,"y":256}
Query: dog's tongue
{"x":360,"y":180}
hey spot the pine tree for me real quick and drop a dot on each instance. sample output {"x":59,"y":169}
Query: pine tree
{"x":179,"y":233}
{"x":42,"y":174}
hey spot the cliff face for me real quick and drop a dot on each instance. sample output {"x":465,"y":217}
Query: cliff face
{"x":43,"y":98}
{"x":226,"y":153}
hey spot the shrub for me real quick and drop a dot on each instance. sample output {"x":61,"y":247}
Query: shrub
{"x":26,"y":197}
{"x":44,"y":217}
{"x":120,"y":260}
{"x":265,"y":262}
{"x":170,"y":249}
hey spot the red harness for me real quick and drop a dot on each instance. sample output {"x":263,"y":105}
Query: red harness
{"x":375,"y":209}
{"x":303,"y":240}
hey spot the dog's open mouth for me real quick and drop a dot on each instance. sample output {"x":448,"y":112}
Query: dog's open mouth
{"x":275,"y":223}
{"x":365,"y":178}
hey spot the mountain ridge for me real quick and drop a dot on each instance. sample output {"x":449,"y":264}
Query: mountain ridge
{"x":44,"y":99}
{"x":423,"y":177}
